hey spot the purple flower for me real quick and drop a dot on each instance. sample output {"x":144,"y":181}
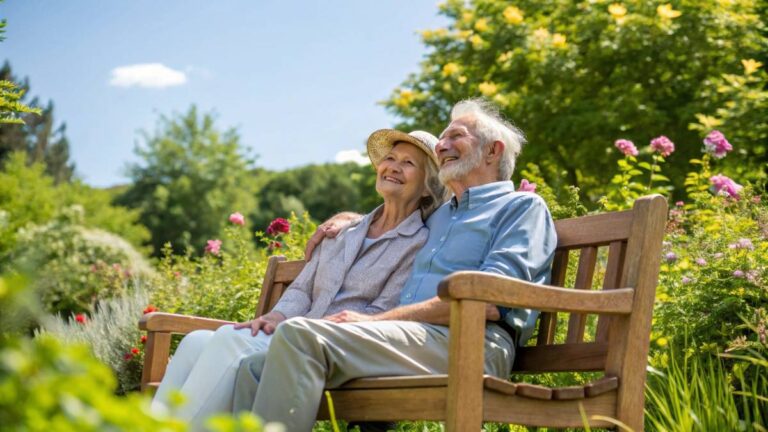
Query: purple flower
{"x":686,"y":280}
{"x":663,"y":145}
{"x":701,"y":261}
{"x":725,"y":186}
{"x":525,"y":186}
{"x":738,"y":274}
{"x":627,"y":147}
{"x":716,"y":144}
{"x":671,"y":257}
{"x":752,"y":276}
{"x":743,"y":243}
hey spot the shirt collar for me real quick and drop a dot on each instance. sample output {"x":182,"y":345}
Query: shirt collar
{"x":479,"y":195}
{"x":408,"y":227}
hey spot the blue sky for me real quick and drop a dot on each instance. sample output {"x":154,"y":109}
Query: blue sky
{"x":298,"y":79}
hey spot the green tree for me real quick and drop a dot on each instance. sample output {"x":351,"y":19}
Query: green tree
{"x":33,"y":130}
{"x":190,"y":178}
{"x":576,"y":76}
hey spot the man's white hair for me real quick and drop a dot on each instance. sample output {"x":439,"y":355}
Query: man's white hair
{"x":490,"y":126}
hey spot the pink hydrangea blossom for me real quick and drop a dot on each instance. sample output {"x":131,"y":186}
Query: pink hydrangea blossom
{"x":663,"y":145}
{"x":237,"y":218}
{"x":213,"y":247}
{"x":627,"y":147}
{"x":738,"y":274}
{"x":716,"y":144}
{"x":525,"y":186}
{"x":726,"y":186}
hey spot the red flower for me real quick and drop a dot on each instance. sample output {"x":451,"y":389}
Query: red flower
{"x":81,"y":318}
{"x":278,"y":225}
{"x":135,"y":351}
{"x":149,"y":309}
{"x":128,"y":356}
{"x":143,"y":339}
{"x":275,"y":245}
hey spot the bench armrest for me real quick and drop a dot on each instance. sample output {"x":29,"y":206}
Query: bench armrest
{"x":175,"y":323}
{"x":507,"y":291}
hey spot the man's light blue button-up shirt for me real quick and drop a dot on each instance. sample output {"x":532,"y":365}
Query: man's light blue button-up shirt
{"x":493,"y":229}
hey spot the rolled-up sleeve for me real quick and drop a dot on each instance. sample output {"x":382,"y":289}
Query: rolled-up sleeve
{"x":522,"y":247}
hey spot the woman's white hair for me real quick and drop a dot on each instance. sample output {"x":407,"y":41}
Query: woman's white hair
{"x":490,"y":126}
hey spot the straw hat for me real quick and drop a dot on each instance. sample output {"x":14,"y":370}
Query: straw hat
{"x":382,"y":141}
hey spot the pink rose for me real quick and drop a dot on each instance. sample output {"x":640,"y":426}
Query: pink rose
{"x":278,"y":225}
{"x":725,"y":186}
{"x":525,"y":186}
{"x":716,"y":144}
{"x":627,"y":147}
{"x":237,"y":218}
{"x":213,"y":247}
{"x":663,"y":145}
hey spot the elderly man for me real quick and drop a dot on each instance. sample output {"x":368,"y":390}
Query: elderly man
{"x":486,"y":226}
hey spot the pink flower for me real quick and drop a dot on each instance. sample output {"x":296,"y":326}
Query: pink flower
{"x":716,"y":144}
{"x":663,"y":145}
{"x":278,"y":225}
{"x":213,"y":247}
{"x":743,"y":243}
{"x":671,"y":257}
{"x":752,"y":276}
{"x":725,"y":186}
{"x":237,"y":218}
{"x":701,"y":261}
{"x":686,"y":280}
{"x":738,"y":274}
{"x":627,"y":147}
{"x":679,"y":204}
{"x":526,"y":187}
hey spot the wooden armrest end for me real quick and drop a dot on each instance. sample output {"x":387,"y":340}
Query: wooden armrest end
{"x":507,"y":291}
{"x":175,"y":323}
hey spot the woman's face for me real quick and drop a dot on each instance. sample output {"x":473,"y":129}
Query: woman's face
{"x":400,"y":175}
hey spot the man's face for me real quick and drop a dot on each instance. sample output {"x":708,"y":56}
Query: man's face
{"x":459,"y":151}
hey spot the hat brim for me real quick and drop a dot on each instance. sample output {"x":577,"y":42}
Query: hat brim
{"x":380,"y":143}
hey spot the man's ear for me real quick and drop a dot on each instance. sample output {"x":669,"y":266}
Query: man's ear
{"x":494,"y":151}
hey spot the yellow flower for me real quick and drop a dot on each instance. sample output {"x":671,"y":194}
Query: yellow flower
{"x":481,"y":25}
{"x":541,"y":34}
{"x":427,"y":34}
{"x":450,"y":69}
{"x":617,"y":10}
{"x":463,"y":34}
{"x":751,"y":66}
{"x":666,"y":11}
{"x":488,"y":89}
{"x":558,"y":40}
{"x":404,"y":99}
{"x":501,"y":100}
{"x":513,"y":15}
{"x":708,"y":122}
{"x":477,"y":41}
{"x":662,"y":341}
{"x":462,"y":79}
{"x":662,"y":297}
{"x":467,"y":16}
{"x":505,"y":57}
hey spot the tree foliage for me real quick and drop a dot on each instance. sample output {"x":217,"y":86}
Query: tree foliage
{"x":33,"y":130}
{"x":191,"y":176}
{"x":576,"y":76}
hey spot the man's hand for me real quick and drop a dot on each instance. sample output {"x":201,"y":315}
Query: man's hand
{"x":266,"y":323}
{"x":329,"y":229}
{"x":349,"y":316}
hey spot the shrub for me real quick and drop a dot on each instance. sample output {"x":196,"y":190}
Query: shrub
{"x":225,"y":282}
{"x":77,"y":266}
{"x":112,"y":334}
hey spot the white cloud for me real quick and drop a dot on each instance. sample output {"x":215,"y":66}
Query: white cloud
{"x":152,"y":75}
{"x":352,"y":156}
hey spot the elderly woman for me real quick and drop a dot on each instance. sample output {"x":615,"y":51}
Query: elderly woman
{"x":362,"y":270}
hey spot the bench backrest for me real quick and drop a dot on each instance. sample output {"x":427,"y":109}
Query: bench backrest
{"x":615,"y":250}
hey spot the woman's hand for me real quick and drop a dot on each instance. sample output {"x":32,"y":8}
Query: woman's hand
{"x":266,"y":323}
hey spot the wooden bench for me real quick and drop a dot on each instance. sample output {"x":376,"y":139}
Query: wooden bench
{"x":465,"y":396}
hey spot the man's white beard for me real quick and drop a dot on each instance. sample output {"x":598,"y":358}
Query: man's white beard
{"x":461,"y":167}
